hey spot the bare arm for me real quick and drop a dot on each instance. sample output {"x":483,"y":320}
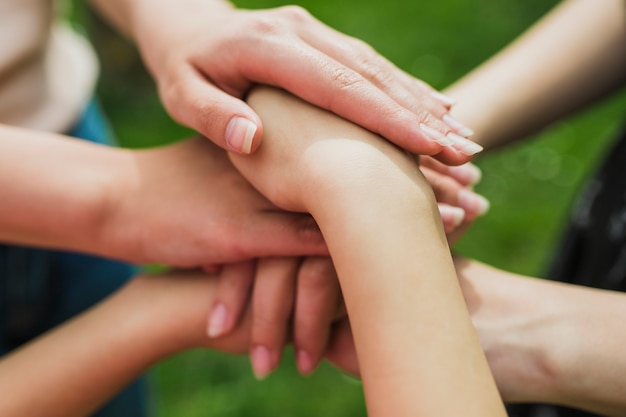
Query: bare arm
{"x":570,"y":58}
{"x":379,"y":219}
{"x":75,"y":368}
{"x":549,"y":342}
{"x":65,"y":193}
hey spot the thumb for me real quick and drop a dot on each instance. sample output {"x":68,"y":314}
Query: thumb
{"x":226,"y":120}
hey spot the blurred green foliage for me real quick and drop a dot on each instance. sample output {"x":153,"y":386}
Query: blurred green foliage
{"x":530,"y":185}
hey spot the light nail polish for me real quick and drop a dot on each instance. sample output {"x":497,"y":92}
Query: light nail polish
{"x":217,"y":320}
{"x":468,"y":172}
{"x":240,"y":133}
{"x":460,"y":128}
{"x":435,"y":135}
{"x":473,"y":202}
{"x":464,"y":145}
{"x":457,"y":214}
{"x":261,"y":362}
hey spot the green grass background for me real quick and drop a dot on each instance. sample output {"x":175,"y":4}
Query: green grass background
{"x":530,"y":185}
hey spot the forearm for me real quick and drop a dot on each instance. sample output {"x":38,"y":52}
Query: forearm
{"x":416,"y":345}
{"x":549,"y":342}
{"x":567,"y":60}
{"x":77,"y":367}
{"x":55,"y":190}
{"x":156,"y":26}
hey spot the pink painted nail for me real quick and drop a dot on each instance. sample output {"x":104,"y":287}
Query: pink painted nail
{"x":239,"y":134}
{"x":306,"y":365}
{"x":261,"y":362}
{"x":217,"y":320}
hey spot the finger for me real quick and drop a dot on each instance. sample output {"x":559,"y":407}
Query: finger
{"x":276,"y":233}
{"x":467,"y":174}
{"x":194,"y":101}
{"x":456,"y":234}
{"x":341,"y":350}
{"x":231,"y":296}
{"x":272,"y":304}
{"x":452,"y":217}
{"x":408,"y":91}
{"x":448,"y":191}
{"x":317,"y":296}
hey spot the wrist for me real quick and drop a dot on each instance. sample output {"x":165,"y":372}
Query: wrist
{"x":157,"y":42}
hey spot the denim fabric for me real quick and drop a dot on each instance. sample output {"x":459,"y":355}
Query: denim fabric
{"x":40,"y":289}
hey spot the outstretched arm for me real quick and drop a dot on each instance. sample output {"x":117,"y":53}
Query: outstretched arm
{"x":381,"y":224}
{"x":75,"y":368}
{"x":156,"y":205}
{"x":549,"y":342}
{"x":570,"y":58}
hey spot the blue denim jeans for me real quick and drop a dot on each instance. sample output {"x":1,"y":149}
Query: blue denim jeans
{"x":41,"y":288}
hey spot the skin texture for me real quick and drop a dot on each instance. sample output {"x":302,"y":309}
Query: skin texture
{"x":75,"y":368}
{"x":206,"y":55}
{"x":140,"y":206}
{"x":549,"y":342}
{"x":156,"y":317}
{"x":359,"y":186}
{"x":568,"y":60}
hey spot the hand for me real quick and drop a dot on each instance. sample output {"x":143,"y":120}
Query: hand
{"x":208,"y":56}
{"x":458,"y":204}
{"x":292,"y":298}
{"x":186,"y":205}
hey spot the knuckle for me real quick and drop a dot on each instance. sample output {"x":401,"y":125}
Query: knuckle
{"x":344,"y":78}
{"x":294,"y":13}
{"x":377,"y":72}
{"x":265,"y":24}
{"x":318,"y":274}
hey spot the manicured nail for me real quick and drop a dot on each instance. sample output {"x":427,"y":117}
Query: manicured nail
{"x":217,"y":320}
{"x":473,"y":202}
{"x":306,"y":365}
{"x":464,"y":145}
{"x":435,"y":135}
{"x":456,"y":214}
{"x":239,"y":134}
{"x":468,"y":173}
{"x":443,"y":98}
{"x":261,"y":362}
{"x":460,"y":128}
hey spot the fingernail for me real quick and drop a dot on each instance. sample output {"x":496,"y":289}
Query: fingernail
{"x":464,"y":145}
{"x":239,"y":134}
{"x":444,"y":98}
{"x":306,"y":365}
{"x":473,"y":202}
{"x":261,"y":362}
{"x":460,"y":128}
{"x":435,"y":135}
{"x":456,"y":214}
{"x":469,"y":172}
{"x":217,"y":320}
